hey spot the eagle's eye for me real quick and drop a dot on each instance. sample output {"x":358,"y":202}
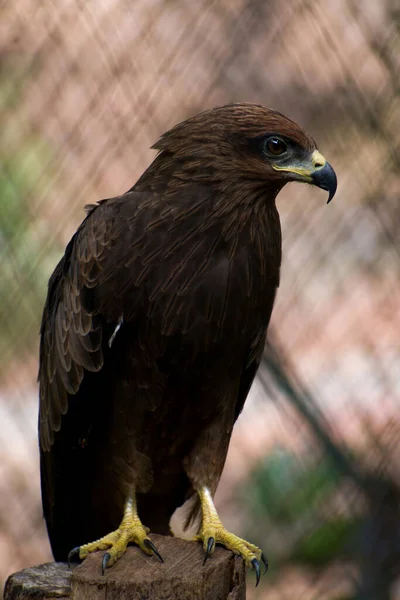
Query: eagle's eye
{"x":275,"y":146}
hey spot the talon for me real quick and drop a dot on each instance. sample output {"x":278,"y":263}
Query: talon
{"x":104,"y":562}
{"x":212,"y":532}
{"x":256,"y":566}
{"x":265,"y":562}
{"x":74,"y":552}
{"x":130,"y":531}
{"x":149,"y":544}
{"x":210,"y":549}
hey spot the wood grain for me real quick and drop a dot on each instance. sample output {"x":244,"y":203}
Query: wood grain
{"x":135,"y":576}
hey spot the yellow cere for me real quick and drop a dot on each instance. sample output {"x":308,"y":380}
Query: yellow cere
{"x":316,"y":163}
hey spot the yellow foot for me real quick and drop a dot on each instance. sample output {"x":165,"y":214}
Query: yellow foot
{"x":212,"y":532}
{"x":131,"y":530}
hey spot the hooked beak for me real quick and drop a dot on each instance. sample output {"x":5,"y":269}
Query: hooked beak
{"x":325,"y":178}
{"x":316,"y":171}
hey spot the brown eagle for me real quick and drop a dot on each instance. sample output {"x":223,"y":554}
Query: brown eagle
{"x":153,"y":330}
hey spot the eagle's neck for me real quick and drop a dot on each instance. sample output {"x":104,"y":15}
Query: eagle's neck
{"x":249,"y":218}
{"x":240,"y":210}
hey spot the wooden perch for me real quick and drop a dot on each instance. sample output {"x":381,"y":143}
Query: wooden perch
{"x":136,"y":576}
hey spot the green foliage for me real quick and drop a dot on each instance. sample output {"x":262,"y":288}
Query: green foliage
{"x":327,"y":542}
{"x":285,"y":490}
{"x":23,"y":271}
{"x":288,"y":498}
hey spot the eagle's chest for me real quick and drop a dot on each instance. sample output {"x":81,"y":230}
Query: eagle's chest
{"x":203,"y":283}
{"x":226,"y":299}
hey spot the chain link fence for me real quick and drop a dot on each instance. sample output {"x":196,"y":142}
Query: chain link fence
{"x":86,"y":87}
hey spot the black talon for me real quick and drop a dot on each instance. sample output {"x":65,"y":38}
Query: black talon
{"x":210,"y":546}
{"x":74,"y":552}
{"x":104,"y":562}
{"x":265,"y":561}
{"x":149,"y":544}
{"x":256,"y":566}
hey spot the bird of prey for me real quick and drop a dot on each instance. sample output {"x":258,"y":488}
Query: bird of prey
{"x":153,"y":329}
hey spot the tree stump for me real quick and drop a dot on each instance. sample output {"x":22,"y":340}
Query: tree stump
{"x":136,"y":576}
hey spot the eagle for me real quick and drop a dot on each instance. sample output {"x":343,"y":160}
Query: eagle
{"x":153,"y":330}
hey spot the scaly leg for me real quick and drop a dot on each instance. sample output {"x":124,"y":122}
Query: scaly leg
{"x":130,"y":530}
{"x":213,"y":532}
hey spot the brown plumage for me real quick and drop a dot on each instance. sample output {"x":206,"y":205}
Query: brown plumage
{"x":155,"y":322}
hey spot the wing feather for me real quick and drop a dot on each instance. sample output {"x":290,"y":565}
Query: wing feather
{"x":156,"y":257}
{"x":71,"y":335}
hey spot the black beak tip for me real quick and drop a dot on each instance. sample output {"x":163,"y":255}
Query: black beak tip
{"x":332,"y":191}
{"x":326,"y":179}
{"x":331,"y":194}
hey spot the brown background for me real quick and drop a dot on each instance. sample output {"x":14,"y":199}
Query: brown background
{"x":86,"y":86}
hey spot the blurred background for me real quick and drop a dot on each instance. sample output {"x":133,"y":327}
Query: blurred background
{"x":86,"y":87}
